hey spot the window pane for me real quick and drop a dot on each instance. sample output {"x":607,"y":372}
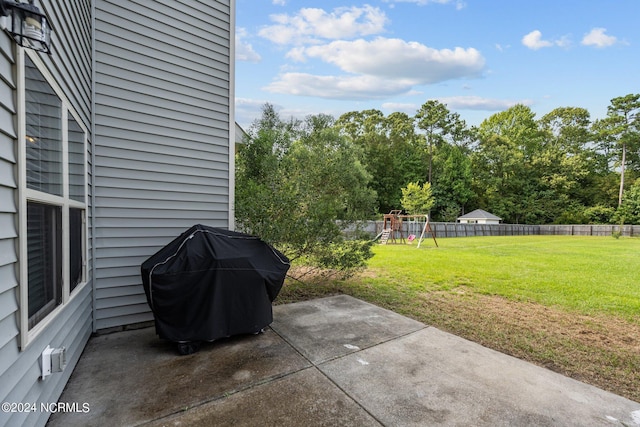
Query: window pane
{"x":44,"y":248}
{"x":76,"y":161}
{"x":76,"y":254}
{"x":44,"y":133}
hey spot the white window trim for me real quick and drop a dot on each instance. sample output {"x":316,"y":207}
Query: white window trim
{"x":25,"y":194}
{"x":232,"y":122}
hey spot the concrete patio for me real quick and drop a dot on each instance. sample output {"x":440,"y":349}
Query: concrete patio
{"x":328,"y":362}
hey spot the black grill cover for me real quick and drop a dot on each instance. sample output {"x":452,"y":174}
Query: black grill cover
{"x":211,"y":283}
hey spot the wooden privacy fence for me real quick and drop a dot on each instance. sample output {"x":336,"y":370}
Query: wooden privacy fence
{"x":590,"y":230}
{"x":451,"y":229}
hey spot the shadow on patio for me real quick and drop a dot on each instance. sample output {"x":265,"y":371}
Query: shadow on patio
{"x":326,"y":362}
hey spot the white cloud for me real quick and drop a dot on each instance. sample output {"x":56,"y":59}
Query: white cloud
{"x":534,"y":41}
{"x":338,"y":87}
{"x":460,"y":103}
{"x":279,"y":2}
{"x":401,"y":107}
{"x":311,"y":25}
{"x":249,"y":104}
{"x":479,"y":103}
{"x":597,"y":37}
{"x":377,"y":69}
{"x":563,"y":41}
{"x":370,"y":69}
{"x":244,"y":50}
{"x":395,"y":59}
{"x":458,"y":3}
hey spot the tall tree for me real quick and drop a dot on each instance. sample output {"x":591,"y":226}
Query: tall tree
{"x":504,"y":179}
{"x":392,"y":151}
{"x":407,"y":151}
{"x":622,"y":127}
{"x":566,"y":164}
{"x":452,"y":186}
{"x":569,"y":128}
{"x":360,"y":124}
{"x":498,"y":177}
{"x":434,"y":119}
{"x":518,"y":124}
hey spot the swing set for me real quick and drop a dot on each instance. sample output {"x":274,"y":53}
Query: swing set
{"x":393,"y":228}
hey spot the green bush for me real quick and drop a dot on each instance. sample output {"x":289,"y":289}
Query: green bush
{"x":298,"y":186}
{"x":599,"y":214}
{"x":629,"y":211}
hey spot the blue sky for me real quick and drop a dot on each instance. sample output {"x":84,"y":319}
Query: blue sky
{"x":477,"y":56}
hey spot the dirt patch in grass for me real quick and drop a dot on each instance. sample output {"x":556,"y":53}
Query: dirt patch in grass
{"x":600,"y":350}
{"x":591,"y":330}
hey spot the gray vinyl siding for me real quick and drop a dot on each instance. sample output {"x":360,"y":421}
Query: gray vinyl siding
{"x":21,"y":383}
{"x":20,"y":368}
{"x":70,"y":61}
{"x":9,"y":332}
{"x":162,"y":114}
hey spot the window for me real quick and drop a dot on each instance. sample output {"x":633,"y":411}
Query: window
{"x":53,"y":188}
{"x":44,"y":238}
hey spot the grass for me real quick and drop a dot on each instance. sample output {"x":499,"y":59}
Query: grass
{"x":585,"y":274}
{"x":569,"y":303}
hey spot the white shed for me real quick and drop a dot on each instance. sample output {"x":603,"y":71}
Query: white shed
{"x":479,"y":216}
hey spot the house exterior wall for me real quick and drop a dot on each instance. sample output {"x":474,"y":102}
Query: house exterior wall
{"x":479,"y":216}
{"x":488,"y":221}
{"x":152,"y":83}
{"x":479,"y":221}
{"x":163,"y":105}
{"x":20,"y":370}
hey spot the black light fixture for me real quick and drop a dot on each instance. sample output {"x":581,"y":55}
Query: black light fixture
{"x":29,"y":27}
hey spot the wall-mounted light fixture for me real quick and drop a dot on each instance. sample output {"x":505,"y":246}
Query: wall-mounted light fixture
{"x":28,"y":26}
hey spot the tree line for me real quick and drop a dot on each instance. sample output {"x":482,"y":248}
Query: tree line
{"x":301,"y":183}
{"x":560,"y":168}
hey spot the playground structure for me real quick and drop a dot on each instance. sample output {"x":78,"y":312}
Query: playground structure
{"x":393,"y":228}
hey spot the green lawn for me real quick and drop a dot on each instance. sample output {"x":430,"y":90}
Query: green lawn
{"x":585,"y":274}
